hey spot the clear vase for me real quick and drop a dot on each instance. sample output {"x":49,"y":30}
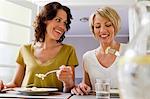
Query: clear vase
{"x":134,"y":66}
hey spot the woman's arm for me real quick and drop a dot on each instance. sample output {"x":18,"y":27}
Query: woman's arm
{"x":69,"y":84}
{"x":18,"y":77}
{"x":67,"y":76}
{"x":84,"y":87}
{"x":86,"y":78}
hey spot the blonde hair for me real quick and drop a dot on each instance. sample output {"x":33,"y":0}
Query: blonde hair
{"x":108,"y":13}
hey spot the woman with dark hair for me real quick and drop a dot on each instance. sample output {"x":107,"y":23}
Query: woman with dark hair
{"x":47,"y":52}
{"x":48,"y":13}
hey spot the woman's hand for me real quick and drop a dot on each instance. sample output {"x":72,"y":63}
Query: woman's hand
{"x":81,"y":89}
{"x":65,"y":74}
{"x":1,"y":85}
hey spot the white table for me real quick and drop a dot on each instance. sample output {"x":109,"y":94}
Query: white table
{"x":86,"y":97}
{"x":52,"y":95}
{"x":90,"y":96}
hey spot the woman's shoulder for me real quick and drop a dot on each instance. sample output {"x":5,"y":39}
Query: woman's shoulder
{"x":27,"y":46}
{"x":123,"y":44}
{"x":89,"y":53}
{"x":123,"y":47}
{"x":68,"y":46}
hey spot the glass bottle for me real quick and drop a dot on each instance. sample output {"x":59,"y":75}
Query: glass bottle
{"x":134,"y":66}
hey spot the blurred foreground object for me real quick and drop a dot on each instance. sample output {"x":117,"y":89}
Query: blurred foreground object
{"x":134,"y":66}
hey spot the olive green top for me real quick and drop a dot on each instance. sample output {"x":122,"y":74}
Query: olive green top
{"x":66,"y":56}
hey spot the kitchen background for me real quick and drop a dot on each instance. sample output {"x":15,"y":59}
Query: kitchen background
{"x":16,"y":18}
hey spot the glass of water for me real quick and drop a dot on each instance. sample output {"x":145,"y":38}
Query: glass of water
{"x":102,"y":88}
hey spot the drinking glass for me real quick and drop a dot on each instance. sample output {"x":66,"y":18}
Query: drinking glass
{"x":102,"y":88}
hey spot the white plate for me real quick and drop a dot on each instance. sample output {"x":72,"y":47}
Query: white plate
{"x":35,"y":91}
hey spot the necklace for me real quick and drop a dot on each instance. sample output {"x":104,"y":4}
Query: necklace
{"x":106,"y":60}
{"x":113,"y":51}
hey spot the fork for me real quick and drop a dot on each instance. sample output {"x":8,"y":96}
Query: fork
{"x":42,"y":76}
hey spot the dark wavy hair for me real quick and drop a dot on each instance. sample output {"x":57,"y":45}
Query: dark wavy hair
{"x":48,"y":12}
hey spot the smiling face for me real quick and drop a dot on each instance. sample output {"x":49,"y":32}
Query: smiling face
{"x":103,"y":29}
{"x":57,"y":26}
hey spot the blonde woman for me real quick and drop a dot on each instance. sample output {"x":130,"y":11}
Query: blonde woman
{"x":101,"y":62}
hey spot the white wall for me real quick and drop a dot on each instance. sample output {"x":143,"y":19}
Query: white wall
{"x":15,"y":22}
